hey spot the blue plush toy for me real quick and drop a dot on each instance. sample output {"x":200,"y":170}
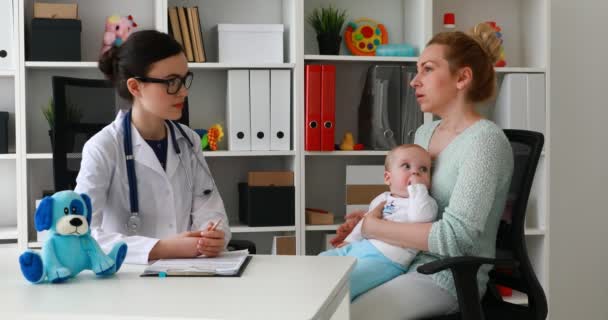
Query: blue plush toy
{"x":70,"y":247}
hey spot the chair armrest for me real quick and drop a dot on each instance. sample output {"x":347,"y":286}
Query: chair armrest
{"x":464,"y":269}
{"x":465,"y":262}
{"x":241,"y":245}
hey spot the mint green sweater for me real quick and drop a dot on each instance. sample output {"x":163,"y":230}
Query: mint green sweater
{"x":470,"y":182}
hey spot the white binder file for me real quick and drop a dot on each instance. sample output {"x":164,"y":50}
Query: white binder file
{"x":237,"y":110}
{"x":6,"y":35}
{"x":536,"y":106}
{"x":280,"y":110}
{"x":510,"y":111}
{"x":259,"y":86}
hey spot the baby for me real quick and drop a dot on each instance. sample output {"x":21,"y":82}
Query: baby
{"x":407,"y":173}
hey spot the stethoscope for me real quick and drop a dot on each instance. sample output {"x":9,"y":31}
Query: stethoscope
{"x":134,"y":221}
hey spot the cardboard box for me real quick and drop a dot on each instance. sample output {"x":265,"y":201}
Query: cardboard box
{"x":284,"y":245}
{"x":318,"y":217}
{"x":56,"y":10}
{"x":270,"y":179}
{"x":363,"y":194}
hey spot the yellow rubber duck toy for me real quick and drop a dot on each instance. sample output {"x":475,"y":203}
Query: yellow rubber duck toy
{"x":348,"y":143}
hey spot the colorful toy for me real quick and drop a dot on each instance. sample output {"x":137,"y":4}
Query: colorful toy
{"x":210,"y":138}
{"x":69,"y":248}
{"x":348,"y":142}
{"x":449,"y":20}
{"x":364,"y":35}
{"x":501,"y":60}
{"x":117,"y":31}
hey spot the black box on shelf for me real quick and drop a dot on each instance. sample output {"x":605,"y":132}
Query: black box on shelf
{"x":3,"y":132}
{"x":266,"y":206}
{"x":55,"y":40}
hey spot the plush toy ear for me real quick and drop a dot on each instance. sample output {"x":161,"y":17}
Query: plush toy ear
{"x":87,"y":202}
{"x":44,"y":214}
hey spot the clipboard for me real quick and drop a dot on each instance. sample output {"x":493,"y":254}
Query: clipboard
{"x":192,"y":272}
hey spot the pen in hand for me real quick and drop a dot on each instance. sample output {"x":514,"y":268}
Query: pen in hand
{"x":215,"y":225}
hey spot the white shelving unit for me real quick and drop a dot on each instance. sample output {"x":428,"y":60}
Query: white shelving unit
{"x":9,"y":166}
{"x":319,"y":176}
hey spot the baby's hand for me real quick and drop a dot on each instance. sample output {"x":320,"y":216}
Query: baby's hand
{"x":342,"y":244}
{"x":415,"y":180}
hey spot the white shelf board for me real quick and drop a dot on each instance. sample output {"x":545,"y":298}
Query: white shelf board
{"x":8,"y":156}
{"x":345,"y":58}
{"x":520,"y":70}
{"x":7,"y":73}
{"x":208,"y":154}
{"x":226,"y":153}
{"x":8,"y":233}
{"x":225,"y":66}
{"x":338,"y":153}
{"x":60,"y":64}
{"x":534,"y":232}
{"x":34,"y":245}
{"x":39,"y":156}
{"x":313,"y":57}
{"x":242,"y":229}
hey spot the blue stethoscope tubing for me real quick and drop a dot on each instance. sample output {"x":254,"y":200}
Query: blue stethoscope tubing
{"x":134,"y":220}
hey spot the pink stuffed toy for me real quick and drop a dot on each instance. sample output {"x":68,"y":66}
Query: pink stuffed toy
{"x":117,"y":31}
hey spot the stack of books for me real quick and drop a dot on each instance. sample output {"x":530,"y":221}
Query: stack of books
{"x":185,"y":27}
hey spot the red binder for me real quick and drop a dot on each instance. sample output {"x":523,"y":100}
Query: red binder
{"x":312,"y":136}
{"x":328,"y":107}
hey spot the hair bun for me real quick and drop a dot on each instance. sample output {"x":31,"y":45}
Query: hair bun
{"x":485,"y":35}
{"x":108,"y":61}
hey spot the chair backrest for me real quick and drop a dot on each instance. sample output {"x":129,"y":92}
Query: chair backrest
{"x":511,"y":242}
{"x":82,"y":107}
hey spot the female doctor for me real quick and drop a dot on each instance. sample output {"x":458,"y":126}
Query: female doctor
{"x":148,"y":181}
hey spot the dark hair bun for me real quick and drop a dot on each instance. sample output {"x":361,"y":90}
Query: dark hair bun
{"x":107,"y":63}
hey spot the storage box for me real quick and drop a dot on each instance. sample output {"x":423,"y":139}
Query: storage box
{"x":3,"y":132}
{"x":250,"y":43}
{"x":284,"y":245}
{"x":318,"y":217}
{"x":270,"y":178}
{"x":363,"y":194}
{"x":56,"y":10}
{"x":55,"y":40}
{"x":266,"y":206}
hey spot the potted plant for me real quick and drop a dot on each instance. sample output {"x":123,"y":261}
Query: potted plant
{"x":328,"y":23}
{"x":73,"y":115}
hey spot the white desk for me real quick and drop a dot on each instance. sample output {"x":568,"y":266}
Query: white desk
{"x":272,"y":287}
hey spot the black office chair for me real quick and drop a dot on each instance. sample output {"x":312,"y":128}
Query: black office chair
{"x":82,"y":107}
{"x":511,"y":252}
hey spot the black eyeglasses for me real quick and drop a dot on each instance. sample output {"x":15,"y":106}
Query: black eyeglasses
{"x":173,"y":84}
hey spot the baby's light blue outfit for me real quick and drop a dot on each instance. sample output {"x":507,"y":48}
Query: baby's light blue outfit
{"x":377,"y":261}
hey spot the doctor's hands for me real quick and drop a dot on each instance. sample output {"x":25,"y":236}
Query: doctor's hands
{"x":184,"y":245}
{"x":211,"y":242}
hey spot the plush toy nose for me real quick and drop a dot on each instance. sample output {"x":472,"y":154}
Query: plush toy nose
{"x":76,"y":222}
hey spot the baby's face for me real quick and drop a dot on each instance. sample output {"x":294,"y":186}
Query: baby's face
{"x":408,"y":166}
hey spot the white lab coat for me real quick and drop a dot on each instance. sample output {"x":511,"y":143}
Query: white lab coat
{"x":167,"y":205}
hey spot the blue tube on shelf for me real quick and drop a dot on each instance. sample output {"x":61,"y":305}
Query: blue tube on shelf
{"x":396,"y":50}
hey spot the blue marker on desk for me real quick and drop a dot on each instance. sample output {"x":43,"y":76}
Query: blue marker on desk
{"x":162,"y":274}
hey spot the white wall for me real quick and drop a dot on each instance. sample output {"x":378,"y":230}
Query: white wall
{"x":579,"y":160}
